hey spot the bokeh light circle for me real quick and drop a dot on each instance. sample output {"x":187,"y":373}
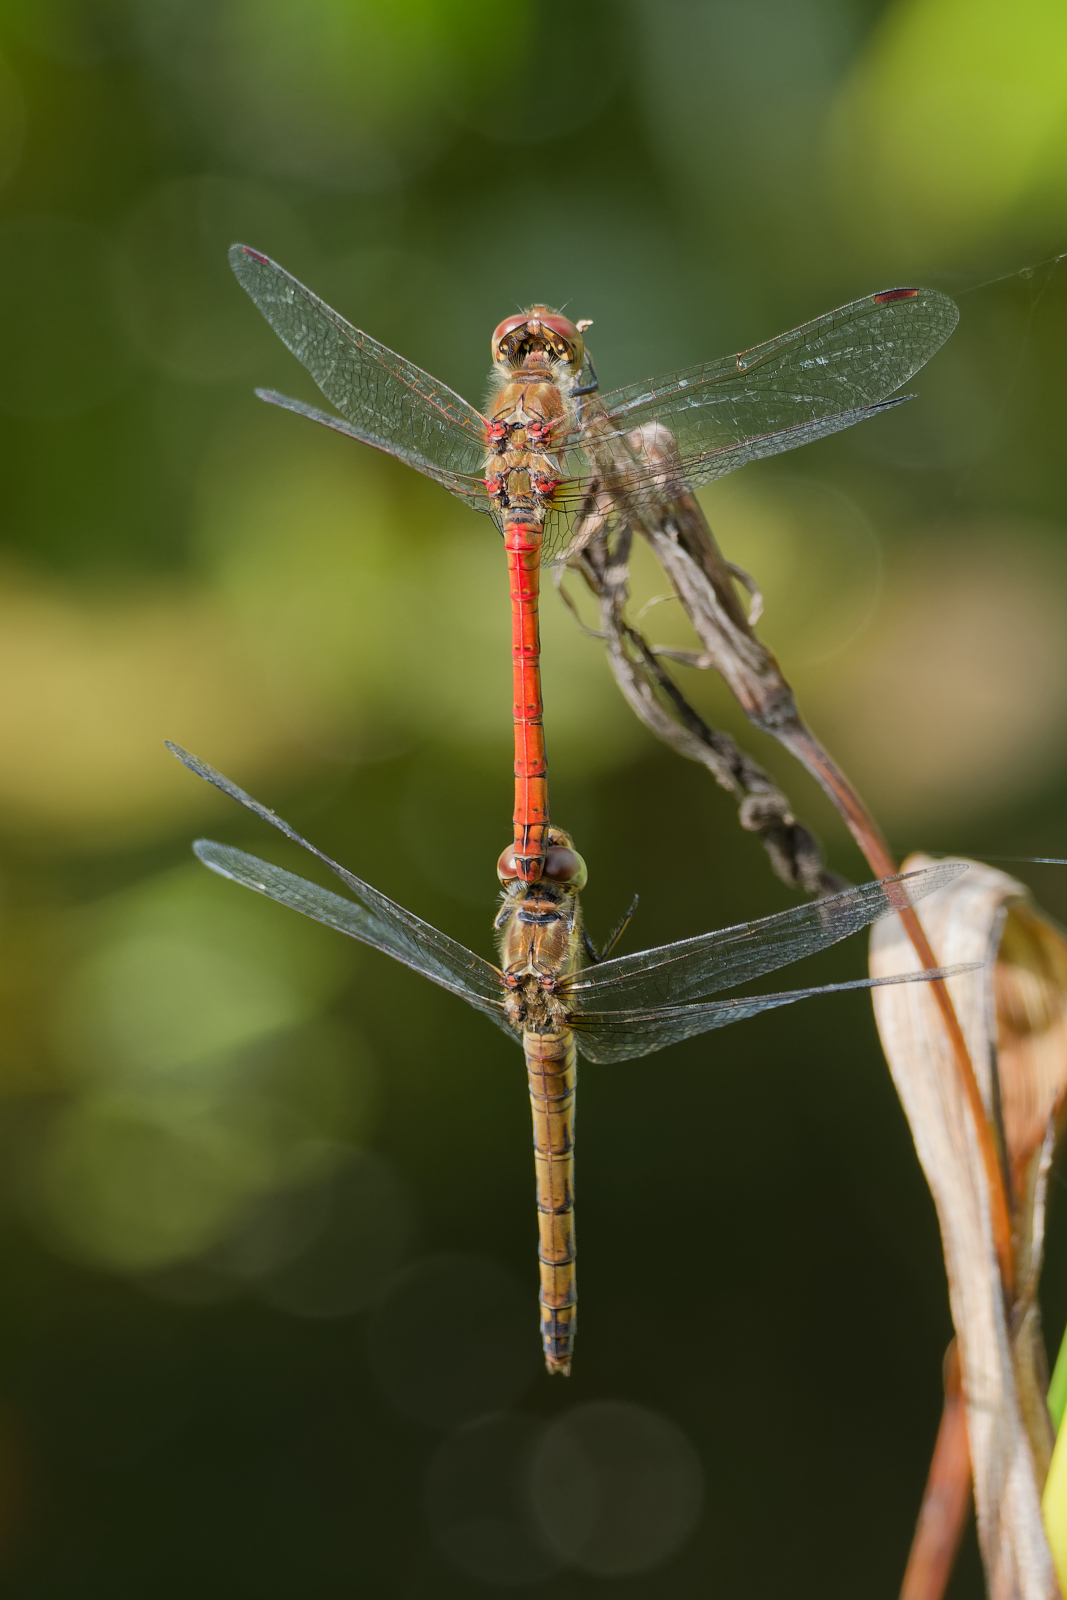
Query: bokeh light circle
{"x":616,"y":1488}
{"x":477,"y":1502}
{"x":455,"y":1337}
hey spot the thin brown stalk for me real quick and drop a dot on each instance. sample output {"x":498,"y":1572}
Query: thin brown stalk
{"x":946,"y":1498}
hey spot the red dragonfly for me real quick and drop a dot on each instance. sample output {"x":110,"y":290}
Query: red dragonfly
{"x":542,"y":995}
{"x":552,"y":451}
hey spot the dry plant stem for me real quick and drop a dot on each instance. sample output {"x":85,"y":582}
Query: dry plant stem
{"x":946,"y":1499}
{"x":704,"y":581}
{"x":657,"y":701}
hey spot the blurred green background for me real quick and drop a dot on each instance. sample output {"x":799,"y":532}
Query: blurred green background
{"x":267,"y":1260}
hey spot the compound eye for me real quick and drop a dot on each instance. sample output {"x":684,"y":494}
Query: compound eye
{"x":561,"y":325}
{"x":567,"y":341}
{"x":506,"y":868}
{"x":565,"y":866}
{"x":557,"y":334}
{"x":509,"y":326}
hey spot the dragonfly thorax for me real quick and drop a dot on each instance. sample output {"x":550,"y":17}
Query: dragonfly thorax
{"x":521,"y":473}
{"x":540,"y":931}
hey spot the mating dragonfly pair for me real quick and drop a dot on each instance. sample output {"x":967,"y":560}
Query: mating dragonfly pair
{"x":552,"y":457}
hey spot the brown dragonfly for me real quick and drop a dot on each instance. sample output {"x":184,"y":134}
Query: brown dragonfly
{"x":558,"y":996}
{"x":552,"y":455}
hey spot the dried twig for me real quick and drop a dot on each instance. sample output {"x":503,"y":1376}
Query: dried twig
{"x":655,"y":698}
{"x":675,"y":526}
{"x":672,"y":522}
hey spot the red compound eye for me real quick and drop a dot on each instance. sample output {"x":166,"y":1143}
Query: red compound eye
{"x":506,"y":867}
{"x":563,"y":865}
{"x":509,"y":325}
{"x":538,"y":326}
{"x":563,"y":327}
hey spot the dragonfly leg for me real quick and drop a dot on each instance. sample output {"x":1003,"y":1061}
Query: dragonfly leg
{"x":595,"y":955}
{"x":594,"y":382}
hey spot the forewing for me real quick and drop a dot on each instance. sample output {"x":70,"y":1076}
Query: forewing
{"x":391,"y":403}
{"x":623,"y":1036}
{"x":838,"y":365}
{"x":344,"y":915}
{"x":673,"y":973}
{"x":629,"y":481}
{"x":376,"y":920}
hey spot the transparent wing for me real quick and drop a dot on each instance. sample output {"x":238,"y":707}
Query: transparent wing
{"x":672,"y":973}
{"x":816,"y":380}
{"x":622,"y":1036}
{"x":472,"y":490}
{"x":376,"y":920}
{"x":1040,"y":861}
{"x":829,"y":373}
{"x":390,"y":403}
{"x":344,"y":915}
{"x":628,"y":484}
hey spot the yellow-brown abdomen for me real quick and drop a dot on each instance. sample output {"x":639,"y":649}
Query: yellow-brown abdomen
{"x":551,"y":1065}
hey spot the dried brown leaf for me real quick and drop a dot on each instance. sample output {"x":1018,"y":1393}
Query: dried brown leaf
{"x":1014,"y":1016}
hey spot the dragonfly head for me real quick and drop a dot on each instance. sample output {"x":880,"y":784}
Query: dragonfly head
{"x":537,"y":336}
{"x":563,"y":865}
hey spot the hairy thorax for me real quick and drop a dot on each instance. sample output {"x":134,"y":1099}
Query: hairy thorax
{"x":530,"y":415}
{"x":540,"y":943}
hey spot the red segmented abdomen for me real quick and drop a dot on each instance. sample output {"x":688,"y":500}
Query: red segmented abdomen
{"x":523,"y":544}
{"x":552,"y":1069}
